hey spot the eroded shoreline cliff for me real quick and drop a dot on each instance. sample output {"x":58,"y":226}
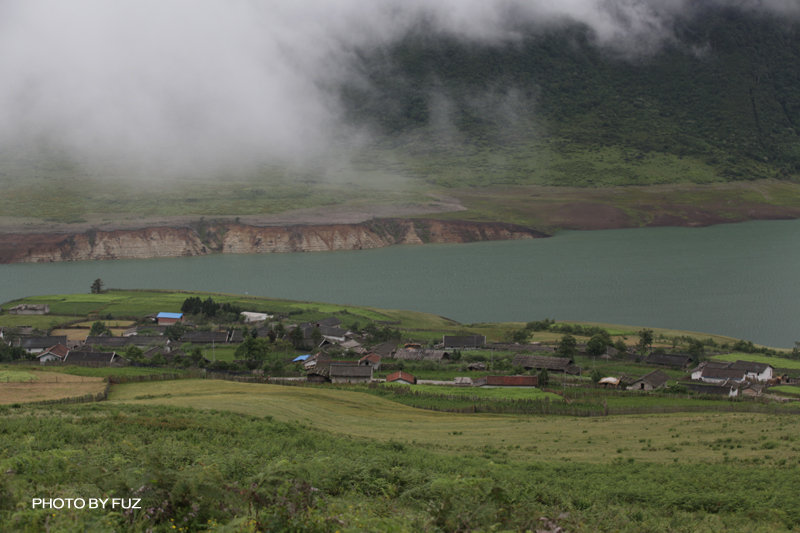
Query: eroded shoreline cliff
{"x":203,"y":238}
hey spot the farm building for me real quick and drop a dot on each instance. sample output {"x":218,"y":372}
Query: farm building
{"x":371,"y":359}
{"x":339,"y":372}
{"x":652,"y":381}
{"x":401,"y":377}
{"x":463,"y":341}
{"x":53,"y":354}
{"x":141,"y":341}
{"x":507,"y":381}
{"x":250,"y":317}
{"x":462,"y":381}
{"x":413,"y":354}
{"x":542,"y":362}
{"x":206,"y":337}
{"x":167,"y":319}
{"x":81,"y":358}
{"x":38,"y":344}
{"x":29,"y":309}
{"x":726,"y":389}
{"x":721,"y":375}
{"x":672,"y":360}
{"x":755,"y":371}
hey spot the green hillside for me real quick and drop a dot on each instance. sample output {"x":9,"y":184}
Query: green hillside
{"x":720,"y":103}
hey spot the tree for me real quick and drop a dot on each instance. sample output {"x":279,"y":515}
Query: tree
{"x":597,"y":345}
{"x":519,"y":336}
{"x":174,"y":331}
{"x":98,"y":329}
{"x":544,"y":378}
{"x":596,"y":375}
{"x":645,"y":341}
{"x":97,"y":286}
{"x":567,"y":346}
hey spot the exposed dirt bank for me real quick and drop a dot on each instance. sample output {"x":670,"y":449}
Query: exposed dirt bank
{"x":202,"y":238}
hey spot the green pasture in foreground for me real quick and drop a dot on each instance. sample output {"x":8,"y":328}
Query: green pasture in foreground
{"x":712,"y":436}
{"x":214,"y":470}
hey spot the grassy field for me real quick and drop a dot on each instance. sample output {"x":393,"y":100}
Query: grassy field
{"x":777,"y":362}
{"x":35,"y":386}
{"x":513,"y":393}
{"x":674,"y":437}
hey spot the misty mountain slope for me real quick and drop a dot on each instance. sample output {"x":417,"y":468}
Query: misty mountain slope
{"x":720,"y":102}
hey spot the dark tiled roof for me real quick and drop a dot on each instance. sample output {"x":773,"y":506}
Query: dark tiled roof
{"x":668,"y":359}
{"x":411,"y":354}
{"x":655,"y":379}
{"x":460,"y":341}
{"x":539,"y":362}
{"x":80,"y":357}
{"x":512,"y":381}
{"x":40,"y":343}
{"x":723,"y":373}
{"x":750,"y":366}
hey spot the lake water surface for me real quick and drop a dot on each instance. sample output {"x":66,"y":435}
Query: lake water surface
{"x":736,"y":279}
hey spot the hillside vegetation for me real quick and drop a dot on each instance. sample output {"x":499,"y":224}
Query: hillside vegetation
{"x":517,"y":131}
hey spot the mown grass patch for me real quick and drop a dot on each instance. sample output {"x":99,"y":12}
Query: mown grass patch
{"x":523,"y":437}
{"x":26,"y":387}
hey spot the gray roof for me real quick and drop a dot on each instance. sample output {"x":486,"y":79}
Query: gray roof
{"x":655,"y":379}
{"x":723,"y":373}
{"x":205,"y":337}
{"x":40,"y":342}
{"x":668,"y":359}
{"x":80,"y":357}
{"x":413,"y":354}
{"x":539,"y":362}
{"x":461,"y":341}
{"x":750,"y":366}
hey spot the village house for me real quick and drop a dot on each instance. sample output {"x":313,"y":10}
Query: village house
{"x":168,"y":319}
{"x":94,"y":359}
{"x":401,"y":377}
{"x":728,"y":389}
{"x":542,"y":362}
{"x":463,"y":341}
{"x":671,"y":360}
{"x":29,"y":309}
{"x":507,"y":381}
{"x":739,"y":371}
{"x":339,"y":372}
{"x":37,"y":344}
{"x":652,"y":381}
{"x":250,"y":317}
{"x":371,"y":359}
{"x":422,"y":354}
{"x":53,"y":354}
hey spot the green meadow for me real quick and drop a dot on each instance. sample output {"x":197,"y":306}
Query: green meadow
{"x":206,"y":455}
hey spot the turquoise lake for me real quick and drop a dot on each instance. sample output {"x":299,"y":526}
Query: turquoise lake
{"x":733,"y":279}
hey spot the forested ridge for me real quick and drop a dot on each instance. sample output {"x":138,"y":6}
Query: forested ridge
{"x":724,"y":93}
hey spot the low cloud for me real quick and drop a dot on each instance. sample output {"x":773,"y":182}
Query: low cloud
{"x":207,"y":85}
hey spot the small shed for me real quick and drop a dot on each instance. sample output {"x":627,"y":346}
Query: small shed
{"x":652,"y":381}
{"x":401,"y":377}
{"x":55,"y":353}
{"x":371,"y":359}
{"x":167,"y":319}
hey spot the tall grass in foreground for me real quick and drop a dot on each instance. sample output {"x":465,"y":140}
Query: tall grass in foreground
{"x":200,"y":470}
